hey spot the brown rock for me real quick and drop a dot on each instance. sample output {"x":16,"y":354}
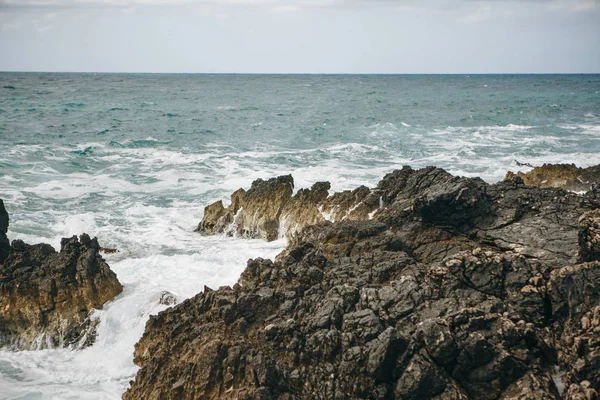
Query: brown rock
{"x":46,"y":297}
{"x":567,"y":176}
{"x":455,"y":289}
{"x":254,"y":213}
{"x":269,"y":211}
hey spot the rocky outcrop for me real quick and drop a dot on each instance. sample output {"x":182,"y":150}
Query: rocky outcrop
{"x":566,"y":176}
{"x":4,"y":243}
{"x":269,"y":211}
{"x":46,"y":297}
{"x":254,"y":213}
{"x":454,"y":289}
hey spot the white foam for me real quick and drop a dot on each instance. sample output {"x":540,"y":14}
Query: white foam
{"x":105,"y":368}
{"x":146,"y":202}
{"x":326,"y":215}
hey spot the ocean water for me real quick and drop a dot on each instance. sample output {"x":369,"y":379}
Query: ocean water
{"x":133,"y":160}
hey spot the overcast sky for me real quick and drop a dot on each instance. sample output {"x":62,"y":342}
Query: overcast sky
{"x":301,"y":36}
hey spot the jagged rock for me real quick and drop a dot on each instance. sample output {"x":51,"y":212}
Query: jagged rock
{"x":455,"y":289}
{"x":589,"y":235}
{"x":268,"y":210}
{"x":351,"y":205}
{"x":575,"y":300}
{"x":4,"y":243}
{"x":254,"y":213}
{"x":567,"y":176}
{"x":46,"y":297}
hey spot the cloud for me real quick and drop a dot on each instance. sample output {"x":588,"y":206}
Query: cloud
{"x":578,"y":6}
{"x":41,"y":26}
{"x":481,"y":13}
{"x":575,"y":6}
{"x":10,"y":26}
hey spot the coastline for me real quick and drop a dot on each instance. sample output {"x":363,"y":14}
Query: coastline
{"x":389,"y":307}
{"x":133,"y":160}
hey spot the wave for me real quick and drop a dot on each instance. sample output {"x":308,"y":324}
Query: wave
{"x":138,"y":143}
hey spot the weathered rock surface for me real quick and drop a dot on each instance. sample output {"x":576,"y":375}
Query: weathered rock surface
{"x":46,"y":297}
{"x":567,"y":176}
{"x":455,"y":289}
{"x":269,"y":211}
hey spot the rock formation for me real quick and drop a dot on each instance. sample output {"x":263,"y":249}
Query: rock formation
{"x":454,"y":289}
{"x":268,"y":210}
{"x":46,"y":297}
{"x":566,"y":176}
{"x":4,"y":243}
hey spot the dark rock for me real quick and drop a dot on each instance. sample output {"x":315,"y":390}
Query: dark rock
{"x":422,"y":379}
{"x":589,"y":236}
{"x":450,"y":289}
{"x":46,"y":297}
{"x":4,"y":243}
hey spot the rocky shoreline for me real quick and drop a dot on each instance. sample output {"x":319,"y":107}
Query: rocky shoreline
{"x":46,"y":296}
{"x":428,"y":286}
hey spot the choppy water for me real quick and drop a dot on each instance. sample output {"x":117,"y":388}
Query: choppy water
{"x":133,"y":159}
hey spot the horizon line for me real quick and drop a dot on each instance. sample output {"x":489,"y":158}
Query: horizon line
{"x":297,"y":73}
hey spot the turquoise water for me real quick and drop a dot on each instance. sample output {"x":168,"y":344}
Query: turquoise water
{"x":133,"y":159}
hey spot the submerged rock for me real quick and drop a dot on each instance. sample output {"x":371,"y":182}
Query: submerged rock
{"x":46,"y":297}
{"x":566,"y":176}
{"x":167,"y":298}
{"x":455,"y":289}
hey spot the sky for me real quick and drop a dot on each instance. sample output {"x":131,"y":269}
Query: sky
{"x":301,"y":36}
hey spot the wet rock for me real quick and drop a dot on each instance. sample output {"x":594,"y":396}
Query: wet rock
{"x":567,"y":176}
{"x":442,"y":288}
{"x":167,"y":298}
{"x":269,"y":211}
{"x":254,"y":213}
{"x":303,"y":209}
{"x":4,"y":243}
{"x":351,"y":205}
{"x":46,"y":296}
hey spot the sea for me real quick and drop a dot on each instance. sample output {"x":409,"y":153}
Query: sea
{"x":133,"y":159}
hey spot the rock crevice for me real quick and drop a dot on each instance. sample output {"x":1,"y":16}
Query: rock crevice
{"x":455,"y":289}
